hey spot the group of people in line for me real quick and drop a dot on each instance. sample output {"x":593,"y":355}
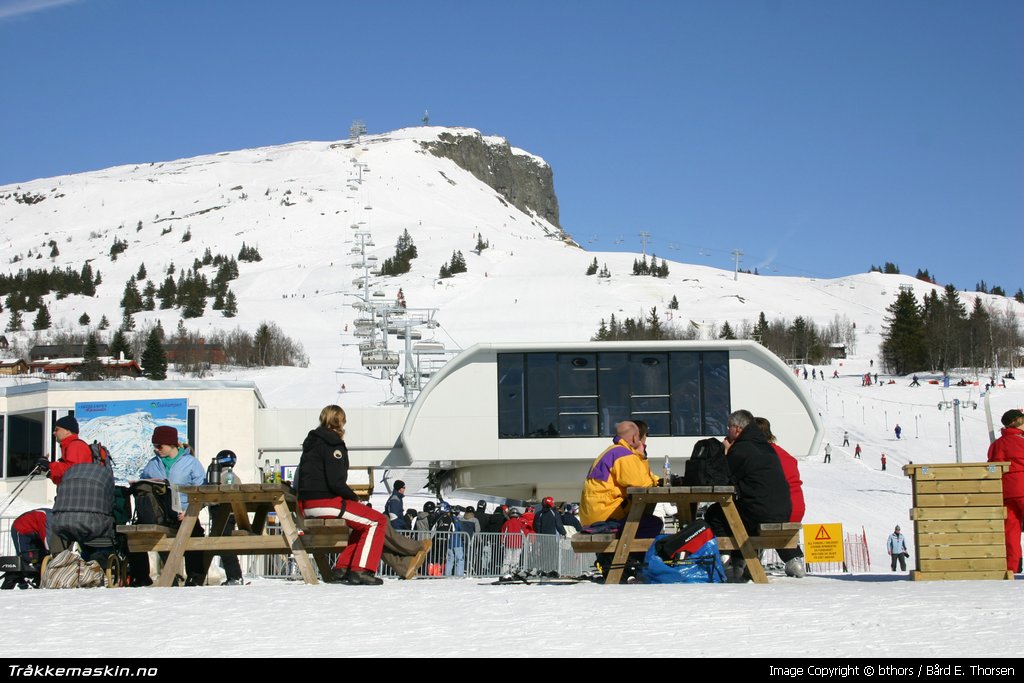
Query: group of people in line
{"x":454,"y":531}
{"x":766,"y":478}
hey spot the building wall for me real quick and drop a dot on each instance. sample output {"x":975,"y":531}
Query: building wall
{"x":225,"y":414}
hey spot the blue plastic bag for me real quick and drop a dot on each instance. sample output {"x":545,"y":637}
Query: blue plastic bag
{"x":703,"y":566}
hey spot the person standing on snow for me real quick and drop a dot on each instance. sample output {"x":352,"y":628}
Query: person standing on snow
{"x":1009,"y":447}
{"x":897,"y":548}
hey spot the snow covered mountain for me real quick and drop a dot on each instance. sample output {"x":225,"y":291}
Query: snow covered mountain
{"x":300,"y":206}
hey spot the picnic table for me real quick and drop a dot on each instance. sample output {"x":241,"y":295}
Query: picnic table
{"x":298,"y":537}
{"x":642,"y":502}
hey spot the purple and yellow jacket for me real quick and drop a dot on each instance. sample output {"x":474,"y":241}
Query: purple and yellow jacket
{"x":604,"y":491}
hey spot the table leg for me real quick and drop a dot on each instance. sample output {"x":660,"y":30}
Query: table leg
{"x":177,"y":553}
{"x":739,"y":534}
{"x":290,"y":532}
{"x":619,"y":559}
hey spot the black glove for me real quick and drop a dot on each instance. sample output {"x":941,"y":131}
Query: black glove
{"x":43,"y":464}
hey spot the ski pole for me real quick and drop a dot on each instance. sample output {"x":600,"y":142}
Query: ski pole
{"x":19,"y":488}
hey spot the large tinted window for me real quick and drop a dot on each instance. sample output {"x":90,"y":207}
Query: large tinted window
{"x":25,"y":440}
{"x":541,"y":395}
{"x":715,"y":373}
{"x":577,"y":394}
{"x":682,"y":393}
{"x":511,"y":401}
{"x":613,"y":398}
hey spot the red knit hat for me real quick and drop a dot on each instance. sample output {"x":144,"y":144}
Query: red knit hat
{"x":165,"y":436}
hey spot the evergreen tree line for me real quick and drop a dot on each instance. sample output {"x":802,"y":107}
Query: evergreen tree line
{"x":456,"y":265}
{"x":641,"y":267}
{"x":25,"y":289}
{"x":799,"y":339}
{"x":924,"y":275}
{"x":604,"y":272}
{"x":247,"y":253}
{"x":940,"y":335}
{"x":401,"y":262}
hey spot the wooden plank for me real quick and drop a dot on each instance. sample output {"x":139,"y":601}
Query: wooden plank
{"x":954,"y":576}
{"x":959,"y":486}
{"x":952,"y":552}
{"x":144,"y":529}
{"x":930,"y":514}
{"x":962,"y":526}
{"x":761,"y":542}
{"x":968,"y":538}
{"x":963,"y":565}
{"x":948,"y":500}
{"x":981,"y":470}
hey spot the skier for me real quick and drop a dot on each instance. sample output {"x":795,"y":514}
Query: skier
{"x":828,"y":452}
{"x":883,"y":462}
{"x":846,"y":438}
{"x":899,"y":430}
{"x":856,"y":452}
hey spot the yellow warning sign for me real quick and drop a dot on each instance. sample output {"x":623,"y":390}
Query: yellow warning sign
{"x":823,"y":543}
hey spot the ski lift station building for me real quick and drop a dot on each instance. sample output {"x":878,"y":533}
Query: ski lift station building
{"x":512,"y":420}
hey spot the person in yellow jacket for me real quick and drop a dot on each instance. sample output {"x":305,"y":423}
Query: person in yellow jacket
{"x":621,"y":465}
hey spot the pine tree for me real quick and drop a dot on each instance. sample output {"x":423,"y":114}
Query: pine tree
{"x":154,"y":359}
{"x":54,"y":251}
{"x":148,"y":296}
{"x":979,"y":330}
{"x":141,"y":275}
{"x":654,"y":325}
{"x":673,"y":305}
{"x":127,"y":321}
{"x":14,"y":323}
{"x":84,"y":319}
{"x":42,"y":321}
{"x":1019,"y":296}
{"x":119,"y":345}
{"x":230,"y":305}
{"x":726,"y":331}
{"x":88,"y":286}
{"x":760,"y":332}
{"x":903,"y":347}
{"x":91,"y":369}
{"x":131,"y":301}
{"x":104,"y":323}
{"x":592,"y":268}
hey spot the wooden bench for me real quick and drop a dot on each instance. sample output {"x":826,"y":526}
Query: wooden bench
{"x":143,"y":538}
{"x":776,"y":535}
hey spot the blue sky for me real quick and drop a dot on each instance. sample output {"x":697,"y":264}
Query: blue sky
{"x":818,"y":137}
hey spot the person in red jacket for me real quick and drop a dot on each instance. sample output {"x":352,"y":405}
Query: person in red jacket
{"x":1010,"y":448}
{"x":73,"y":450}
{"x":513,"y":532}
{"x":793,"y":557}
{"x":28,"y":535}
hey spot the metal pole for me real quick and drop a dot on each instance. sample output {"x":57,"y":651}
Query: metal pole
{"x":956,"y":419}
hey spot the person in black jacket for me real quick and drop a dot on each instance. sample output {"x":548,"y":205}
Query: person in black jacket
{"x":323,"y":492}
{"x":548,"y":521}
{"x":762,"y":494}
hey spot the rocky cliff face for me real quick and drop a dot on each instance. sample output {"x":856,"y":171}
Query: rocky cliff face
{"x":524,"y":181}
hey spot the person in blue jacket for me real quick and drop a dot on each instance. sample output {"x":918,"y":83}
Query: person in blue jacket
{"x":175,"y":463}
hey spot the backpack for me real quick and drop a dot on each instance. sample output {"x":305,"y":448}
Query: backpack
{"x":153,"y":503}
{"x":100,"y":453}
{"x":687,"y":540}
{"x":707,"y":465}
{"x":703,"y":565}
